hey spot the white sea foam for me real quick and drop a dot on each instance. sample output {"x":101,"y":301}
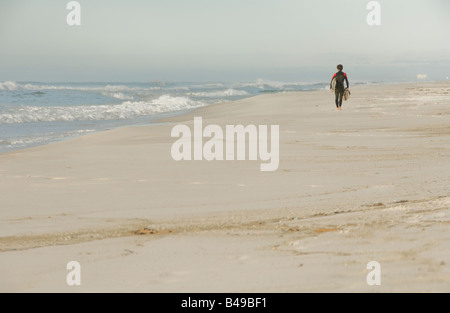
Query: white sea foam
{"x":263,"y":84}
{"x":110,"y":88}
{"x":185,"y":88}
{"x":117,"y":95}
{"x":9,"y":85}
{"x":209,"y":85}
{"x":37,"y":139}
{"x":220,"y":93}
{"x":125,"y":110}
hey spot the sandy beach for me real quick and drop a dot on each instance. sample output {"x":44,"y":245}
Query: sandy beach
{"x":368,"y":183}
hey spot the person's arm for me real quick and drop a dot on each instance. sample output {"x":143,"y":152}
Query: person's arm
{"x":346,"y":80}
{"x":331,"y":87}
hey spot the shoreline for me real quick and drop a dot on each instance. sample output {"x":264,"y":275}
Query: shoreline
{"x":170,"y":114}
{"x":368,"y":183}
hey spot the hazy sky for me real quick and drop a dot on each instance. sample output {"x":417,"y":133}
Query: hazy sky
{"x":222,"y":40}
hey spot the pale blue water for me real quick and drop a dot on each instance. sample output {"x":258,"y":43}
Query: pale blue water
{"x":33,"y":113}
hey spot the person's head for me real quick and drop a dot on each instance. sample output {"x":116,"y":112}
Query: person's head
{"x":340,"y":67}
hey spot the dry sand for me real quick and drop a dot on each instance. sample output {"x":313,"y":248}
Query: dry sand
{"x":369,"y":183}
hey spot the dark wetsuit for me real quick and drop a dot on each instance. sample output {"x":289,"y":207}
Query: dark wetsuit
{"x":339,"y":88}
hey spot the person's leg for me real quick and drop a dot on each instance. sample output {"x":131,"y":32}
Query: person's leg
{"x":341,"y":95}
{"x":336,"y":92}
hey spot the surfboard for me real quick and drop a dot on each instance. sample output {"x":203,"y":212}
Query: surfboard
{"x":333,"y":84}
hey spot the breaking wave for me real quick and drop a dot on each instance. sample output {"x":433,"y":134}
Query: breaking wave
{"x":117,"y":95}
{"x":11,"y":85}
{"x":125,"y":110}
{"x":220,"y":93}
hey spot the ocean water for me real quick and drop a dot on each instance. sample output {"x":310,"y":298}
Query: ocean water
{"x":33,"y":113}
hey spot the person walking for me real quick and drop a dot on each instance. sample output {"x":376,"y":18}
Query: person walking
{"x":339,"y":89}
